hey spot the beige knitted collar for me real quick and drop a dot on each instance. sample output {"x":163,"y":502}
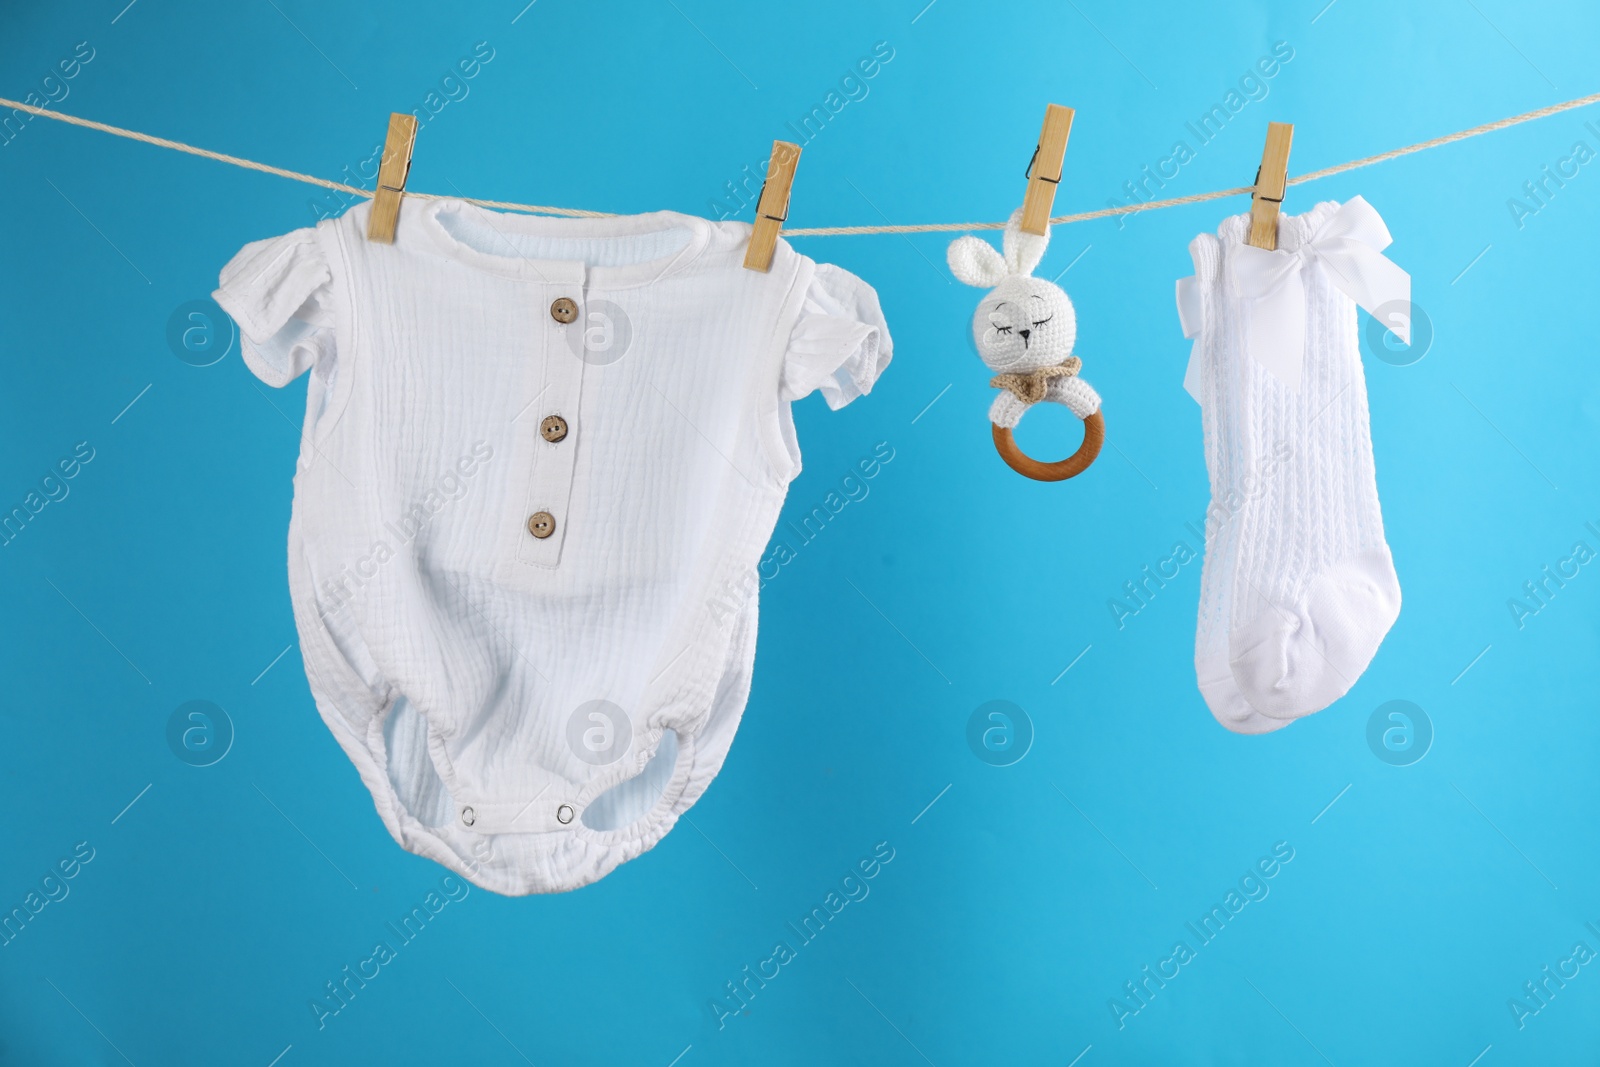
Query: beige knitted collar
{"x":1029,"y":386}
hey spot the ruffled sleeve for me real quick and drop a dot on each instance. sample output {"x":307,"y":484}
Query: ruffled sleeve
{"x":840,"y":342}
{"x":279,"y":291}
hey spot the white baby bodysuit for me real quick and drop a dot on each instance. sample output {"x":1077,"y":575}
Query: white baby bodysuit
{"x":541,"y":459}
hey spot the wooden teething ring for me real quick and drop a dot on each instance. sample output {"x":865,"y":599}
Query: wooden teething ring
{"x":1094,"y":435}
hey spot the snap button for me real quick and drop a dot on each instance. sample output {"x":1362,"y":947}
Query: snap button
{"x":553,"y":428}
{"x":564,"y":814}
{"x":541,"y":524}
{"x":563,"y":310}
{"x":468,"y":817}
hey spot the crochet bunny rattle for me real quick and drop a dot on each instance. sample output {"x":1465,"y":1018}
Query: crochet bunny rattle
{"x":1025,"y":329}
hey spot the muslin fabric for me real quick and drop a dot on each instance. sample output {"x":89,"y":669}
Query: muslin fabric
{"x":533,"y":701}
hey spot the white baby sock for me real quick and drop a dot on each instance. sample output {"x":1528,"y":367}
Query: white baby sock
{"x":1296,"y":575}
{"x":1310,"y":588}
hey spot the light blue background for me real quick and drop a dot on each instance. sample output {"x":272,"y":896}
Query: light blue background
{"x":1017,"y":905}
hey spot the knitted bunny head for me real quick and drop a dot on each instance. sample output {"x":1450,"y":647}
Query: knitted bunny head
{"x":1025,"y":322}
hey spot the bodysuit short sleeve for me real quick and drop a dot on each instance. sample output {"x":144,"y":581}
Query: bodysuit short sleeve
{"x":840,"y":342}
{"x":279,"y":291}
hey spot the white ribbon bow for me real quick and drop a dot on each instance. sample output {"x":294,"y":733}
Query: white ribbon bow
{"x":1348,"y":246}
{"x":1189,"y":316}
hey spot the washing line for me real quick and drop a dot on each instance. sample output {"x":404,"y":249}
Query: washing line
{"x":820,"y":231}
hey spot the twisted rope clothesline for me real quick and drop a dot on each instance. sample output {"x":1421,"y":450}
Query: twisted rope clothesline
{"x":820,"y":231}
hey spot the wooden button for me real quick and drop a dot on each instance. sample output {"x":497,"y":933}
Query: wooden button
{"x":563,"y":310}
{"x":553,"y":428}
{"x":541,"y":524}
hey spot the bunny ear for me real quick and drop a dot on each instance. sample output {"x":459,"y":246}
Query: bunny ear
{"x":975,"y":262}
{"x":1023,"y":250}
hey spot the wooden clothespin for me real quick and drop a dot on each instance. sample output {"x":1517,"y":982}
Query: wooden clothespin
{"x":1271,"y":182}
{"x":1044,"y":169}
{"x":392,"y":177}
{"x":772,"y":208}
